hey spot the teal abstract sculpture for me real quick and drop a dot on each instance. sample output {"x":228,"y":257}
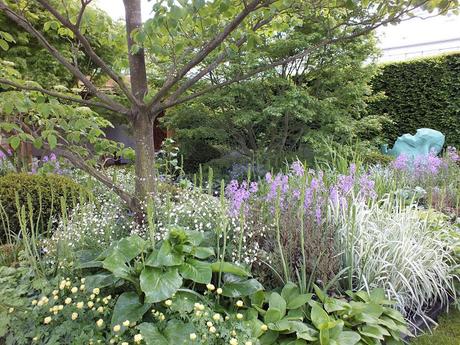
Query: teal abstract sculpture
{"x":426,"y":141}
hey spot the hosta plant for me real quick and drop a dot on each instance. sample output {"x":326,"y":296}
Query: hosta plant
{"x":293,"y":318}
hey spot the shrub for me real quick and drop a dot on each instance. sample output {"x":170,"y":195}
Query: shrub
{"x":45,"y":196}
{"x":420,"y":93}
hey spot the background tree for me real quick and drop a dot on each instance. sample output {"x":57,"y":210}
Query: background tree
{"x":286,"y":111}
{"x":185,"y":42}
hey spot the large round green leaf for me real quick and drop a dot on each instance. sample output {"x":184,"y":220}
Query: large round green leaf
{"x":241,"y":289}
{"x":128,"y":307}
{"x":198,"y":271}
{"x":159,"y":284}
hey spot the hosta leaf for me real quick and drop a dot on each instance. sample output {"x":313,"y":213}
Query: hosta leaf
{"x":151,"y":334}
{"x":166,"y":256}
{"x":319,"y":317}
{"x":298,"y":301}
{"x":241,"y":289}
{"x":100,"y":280}
{"x":198,"y":271}
{"x":348,"y":338}
{"x":276,"y":301}
{"x":128,"y":307}
{"x":159,"y":284}
{"x":204,"y":252}
{"x":272,"y":315}
{"x":226,"y":267}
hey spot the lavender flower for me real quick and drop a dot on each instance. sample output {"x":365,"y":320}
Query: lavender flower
{"x":401,"y":162}
{"x":452,"y":154}
{"x":297,"y":168}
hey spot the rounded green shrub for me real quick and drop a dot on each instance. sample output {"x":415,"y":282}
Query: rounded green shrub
{"x":44,"y":198}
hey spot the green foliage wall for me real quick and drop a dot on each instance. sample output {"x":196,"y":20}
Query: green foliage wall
{"x":421,"y":93}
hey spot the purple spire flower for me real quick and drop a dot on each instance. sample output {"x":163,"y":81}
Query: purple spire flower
{"x":297,"y":168}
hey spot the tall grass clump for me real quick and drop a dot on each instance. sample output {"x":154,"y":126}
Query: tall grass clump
{"x":395,"y":246}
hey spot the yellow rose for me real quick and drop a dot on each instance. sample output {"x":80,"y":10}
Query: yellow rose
{"x":219,"y":291}
{"x":192,"y":336}
{"x":239,"y":303}
{"x":74,"y":316}
{"x":74,"y":289}
{"x":233,"y":341}
{"x":68,"y":300}
{"x":239,"y":316}
{"x":47,"y":320}
{"x":116,"y":328}
{"x":126,"y":323}
{"x":100,"y":323}
{"x":96,"y":291}
{"x":138,"y":338}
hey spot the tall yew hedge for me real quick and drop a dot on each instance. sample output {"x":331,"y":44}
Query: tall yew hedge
{"x":421,"y":93}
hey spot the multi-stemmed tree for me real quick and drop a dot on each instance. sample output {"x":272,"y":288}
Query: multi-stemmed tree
{"x":185,"y":50}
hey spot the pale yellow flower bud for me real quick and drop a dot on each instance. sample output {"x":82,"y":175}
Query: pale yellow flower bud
{"x":239,"y":303}
{"x":100,"y":323}
{"x":192,"y":336}
{"x":138,"y":338}
{"x":47,"y":320}
{"x":116,"y":328}
{"x":74,"y":316}
{"x":239,"y":316}
{"x":219,"y":291}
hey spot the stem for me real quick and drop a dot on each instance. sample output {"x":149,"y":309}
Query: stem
{"x":278,"y":237}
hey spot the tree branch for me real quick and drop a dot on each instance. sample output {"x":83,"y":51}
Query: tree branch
{"x":24,"y":23}
{"x":170,"y":102}
{"x":208,"y":69}
{"x":82,"y":165}
{"x":87,"y":46}
{"x":207,"y":49}
{"x":58,"y":95}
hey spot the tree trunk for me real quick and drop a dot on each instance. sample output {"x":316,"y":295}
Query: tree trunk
{"x":141,"y":119}
{"x":145,"y":159}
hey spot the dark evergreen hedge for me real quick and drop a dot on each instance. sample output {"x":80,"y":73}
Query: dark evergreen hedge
{"x":421,"y":93}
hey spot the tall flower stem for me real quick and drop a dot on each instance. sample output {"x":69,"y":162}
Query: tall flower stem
{"x":278,"y":236}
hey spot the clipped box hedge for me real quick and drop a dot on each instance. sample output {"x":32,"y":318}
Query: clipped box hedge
{"x":421,"y":93}
{"x":46,"y":193}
